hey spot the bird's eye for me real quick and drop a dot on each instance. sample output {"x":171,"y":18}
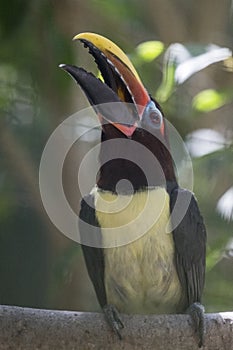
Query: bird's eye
{"x":152,"y":118}
{"x":155,"y":118}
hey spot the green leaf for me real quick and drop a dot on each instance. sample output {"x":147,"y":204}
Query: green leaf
{"x":149,"y":50}
{"x":182,"y":61}
{"x":209,"y":100}
{"x":168,"y":83}
{"x":213,"y":257}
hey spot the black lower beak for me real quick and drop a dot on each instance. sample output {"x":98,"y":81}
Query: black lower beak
{"x":102,"y":98}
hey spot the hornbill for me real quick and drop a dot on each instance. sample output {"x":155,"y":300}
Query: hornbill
{"x":159,"y":270}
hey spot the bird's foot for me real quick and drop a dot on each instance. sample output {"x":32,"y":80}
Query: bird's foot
{"x":197,"y":313}
{"x":113,"y":319}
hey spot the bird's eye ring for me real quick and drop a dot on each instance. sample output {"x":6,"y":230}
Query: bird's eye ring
{"x":152,"y":117}
{"x":155,"y":118}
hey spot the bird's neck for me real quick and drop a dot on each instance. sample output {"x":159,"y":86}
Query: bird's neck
{"x":125,"y":162}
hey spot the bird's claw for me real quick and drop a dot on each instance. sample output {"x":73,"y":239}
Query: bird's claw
{"x":113,"y":318}
{"x":197,"y":313}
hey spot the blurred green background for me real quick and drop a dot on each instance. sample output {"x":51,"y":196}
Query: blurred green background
{"x":40,"y":267}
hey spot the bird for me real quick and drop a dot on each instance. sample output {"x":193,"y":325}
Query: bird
{"x":141,"y":260}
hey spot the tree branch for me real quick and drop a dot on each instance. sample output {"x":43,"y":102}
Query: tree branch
{"x":24,"y":328}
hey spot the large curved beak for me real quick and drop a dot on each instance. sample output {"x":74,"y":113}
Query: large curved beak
{"x":121,"y":84}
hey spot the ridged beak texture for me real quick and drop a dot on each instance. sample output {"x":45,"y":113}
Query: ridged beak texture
{"x":108,"y":48}
{"x":121,"y":83}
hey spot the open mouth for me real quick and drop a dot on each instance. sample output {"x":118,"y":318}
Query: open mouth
{"x":110,"y":73}
{"x":121,"y":98}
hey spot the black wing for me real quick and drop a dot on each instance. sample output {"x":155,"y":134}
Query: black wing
{"x":94,"y":257}
{"x":190,"y":246}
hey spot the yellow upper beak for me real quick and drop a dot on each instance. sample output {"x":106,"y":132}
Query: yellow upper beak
{"x":108,"y":48}
{"x":122,"y":65}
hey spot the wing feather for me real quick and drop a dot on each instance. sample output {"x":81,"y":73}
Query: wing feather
{"x":190,"y":247}
{"x":94,"y":257}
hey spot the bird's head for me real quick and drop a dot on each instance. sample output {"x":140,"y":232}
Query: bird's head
{"x":123,"y":105}
{"x":121,"y":84}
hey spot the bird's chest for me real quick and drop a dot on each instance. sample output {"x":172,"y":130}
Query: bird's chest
{"x":140,"y":274}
